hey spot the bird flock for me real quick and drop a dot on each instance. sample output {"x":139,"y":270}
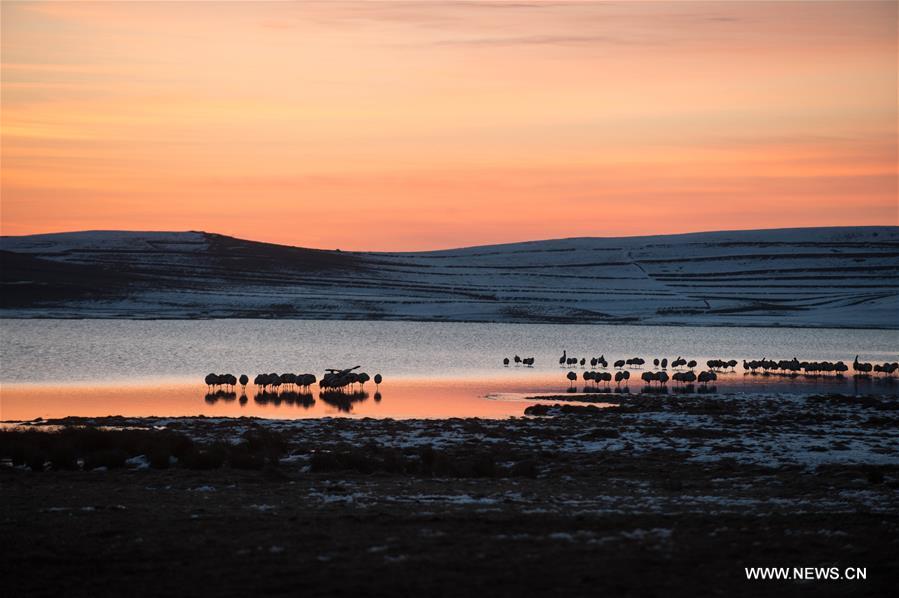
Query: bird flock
{"x":346,"y":379}
{"x":525,"y":361}
{"x":275,"y":382}
{"x":334,"y":380}
{"x":660,"y":376}
{"x":228,"y":380}
{"x":794,"y":367}
{"x":684,"y":371}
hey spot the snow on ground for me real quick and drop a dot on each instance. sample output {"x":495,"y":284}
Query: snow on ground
{"x":843,"y":276}
{"x":766,"y":430}
{"x":737,"y":455}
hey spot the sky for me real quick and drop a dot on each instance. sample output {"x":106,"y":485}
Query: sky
{"x":423,"y":124}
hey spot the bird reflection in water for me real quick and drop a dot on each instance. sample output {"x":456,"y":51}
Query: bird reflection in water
{"x":594,"y":390}
{"x":288,"y":397}
{"x":655,"y":390}
{"x":686,"y":389}
{"x":597,"y":390}
{"x":337,"y":388}
{"x":344,"y":401}
{"x":220,"y":395}
{"x":285,"y":397}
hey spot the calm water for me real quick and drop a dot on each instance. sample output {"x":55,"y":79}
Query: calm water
{"x":100,"y":367}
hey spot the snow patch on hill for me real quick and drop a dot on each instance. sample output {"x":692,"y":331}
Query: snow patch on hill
{"x":839,"y":276}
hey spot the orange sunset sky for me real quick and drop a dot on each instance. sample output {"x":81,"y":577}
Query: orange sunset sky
{"x":425,"y":124}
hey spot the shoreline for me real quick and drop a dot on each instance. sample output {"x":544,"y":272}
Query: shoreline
{"x":350,"y":318}
{"x":645,"y":422}
{"x":657,"y":493}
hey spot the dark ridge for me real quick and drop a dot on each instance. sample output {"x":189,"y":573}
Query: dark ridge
{"x":198,"y":275}
{"x":456,"y":254}
{"x":28,"y":281}
{"x":238,"y":254}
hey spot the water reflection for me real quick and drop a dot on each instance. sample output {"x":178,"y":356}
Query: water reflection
{"x":284,"y":397}
{"x":87,"y":351}
{"x":220,"y":395}
{"x":863,"y":378}
{"x":753,"y":382}
{"x":602,"y":390}
{"x":431,"y":397}
{"x":685,"y":389}
{"x":406,"y":398}
{"x":815,"y":376}
{"x":655,"y":390}
{"x":344,"y":401}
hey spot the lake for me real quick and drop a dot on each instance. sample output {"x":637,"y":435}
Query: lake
{"x":51,"y":368}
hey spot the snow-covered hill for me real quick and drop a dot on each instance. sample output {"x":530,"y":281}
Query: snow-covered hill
{"x":844,"y":276}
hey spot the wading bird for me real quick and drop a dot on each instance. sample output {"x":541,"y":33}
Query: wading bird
{"x":861,"y":367}
{"x":363,"y":378}
{"x":211,"y":380}
{"x":706,"y":377}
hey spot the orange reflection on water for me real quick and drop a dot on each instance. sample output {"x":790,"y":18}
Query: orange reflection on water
{"x":409,"y":398}
{"x":500,"y":396}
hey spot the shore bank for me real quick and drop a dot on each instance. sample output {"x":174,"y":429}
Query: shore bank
{"x":656,"y":494}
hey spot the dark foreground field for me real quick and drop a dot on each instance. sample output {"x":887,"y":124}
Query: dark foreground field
{"x":670,"y":496}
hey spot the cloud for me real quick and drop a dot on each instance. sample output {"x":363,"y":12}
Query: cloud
{"x":537,"y":40}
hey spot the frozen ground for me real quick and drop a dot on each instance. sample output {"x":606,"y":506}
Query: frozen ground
{"x":840,"y":277}
{"x":766,"y":430}
{"x":658,"y":495}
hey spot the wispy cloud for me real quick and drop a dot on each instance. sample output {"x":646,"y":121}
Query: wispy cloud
{"x":399,"y":114}
{"x":537,"y":40}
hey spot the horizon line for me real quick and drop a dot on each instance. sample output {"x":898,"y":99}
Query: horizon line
{"x":457,"y":247}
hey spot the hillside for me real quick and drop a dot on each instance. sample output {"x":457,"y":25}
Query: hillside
{"x":845,"y":276}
